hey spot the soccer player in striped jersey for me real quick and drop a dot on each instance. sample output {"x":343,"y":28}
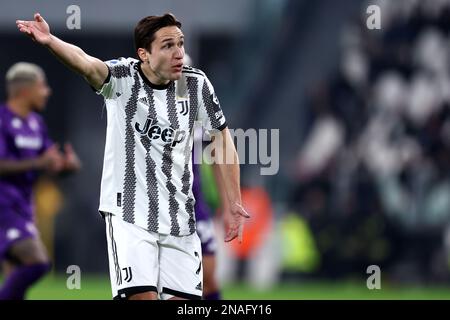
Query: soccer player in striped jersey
{"x":25,"y":150}
{"x":146,"y":189}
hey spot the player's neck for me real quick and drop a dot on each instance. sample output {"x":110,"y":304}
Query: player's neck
{"x":19,"y":107}
{"x":152,"y":77}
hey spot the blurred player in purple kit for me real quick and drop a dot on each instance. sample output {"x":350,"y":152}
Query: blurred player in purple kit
{"x":25,"y":150}
{"x":206,"y":232}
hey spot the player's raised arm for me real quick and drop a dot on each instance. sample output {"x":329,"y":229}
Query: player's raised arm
{"x":92,"y":69}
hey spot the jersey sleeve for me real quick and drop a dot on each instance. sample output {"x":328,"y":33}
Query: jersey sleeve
{"x":210,"y":113}
{"x":118,"y":79}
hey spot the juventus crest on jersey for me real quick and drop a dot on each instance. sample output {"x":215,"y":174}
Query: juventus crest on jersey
{"x":147,"y":168}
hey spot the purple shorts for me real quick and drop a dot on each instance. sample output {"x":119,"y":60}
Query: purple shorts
{"x":13,"y":228}
{"x":205,"y":228}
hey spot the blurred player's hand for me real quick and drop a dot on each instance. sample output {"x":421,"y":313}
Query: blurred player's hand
{"x":71,"y":160}
{"x":38,"y":30}
{"x":234,"y":219}
{"x":52,"y":160}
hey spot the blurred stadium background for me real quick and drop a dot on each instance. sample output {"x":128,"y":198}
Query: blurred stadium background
{"x":364,"y":119}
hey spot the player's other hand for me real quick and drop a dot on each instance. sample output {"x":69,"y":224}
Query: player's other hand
{"x":71,"y":160}
{"x":234,"y":219}
{"x":51,"y":160}
{"x":38,"y":29}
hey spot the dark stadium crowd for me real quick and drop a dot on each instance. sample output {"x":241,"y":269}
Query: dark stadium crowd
{"x":374,"y":168}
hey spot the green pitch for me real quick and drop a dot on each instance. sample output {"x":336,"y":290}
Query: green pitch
{"x":98,"y":288}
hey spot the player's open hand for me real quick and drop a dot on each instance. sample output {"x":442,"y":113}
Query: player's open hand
{"x":38,"y":29}
{"x":71,"y":160}
{"x":234,"y":222}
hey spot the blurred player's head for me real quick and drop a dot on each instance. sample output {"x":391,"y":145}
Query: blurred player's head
{"x":160,"y":44}
{"x":27,"y":82}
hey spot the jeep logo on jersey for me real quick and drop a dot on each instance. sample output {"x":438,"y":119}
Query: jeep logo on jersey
{"x":154,"y":132}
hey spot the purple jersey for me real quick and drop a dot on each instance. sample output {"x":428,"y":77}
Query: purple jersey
{"x":201,"y":208}
{"x":20,"y":139}
{"x":205,"y":227}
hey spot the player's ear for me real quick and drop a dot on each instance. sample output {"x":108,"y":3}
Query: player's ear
{"x":142,"y":54}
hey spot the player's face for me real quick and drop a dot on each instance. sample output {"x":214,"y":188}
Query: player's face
{"x":37,"y":94}
{"x":167,"y":53}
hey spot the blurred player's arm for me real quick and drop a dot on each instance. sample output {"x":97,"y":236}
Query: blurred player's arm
{"x":228,"y":181}
{"x":50,"y":161}
{"x":8,"y":167}
{"x":92,"y":69}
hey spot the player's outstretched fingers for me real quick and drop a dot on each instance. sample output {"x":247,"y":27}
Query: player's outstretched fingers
{"x":240,"y":232}
{"x":23,"y":27}
{"x":242,"y":211}
{"x":23,"y":22}
{"x":38,"y":17}
{"x":230,"y":237}
{"x":231,"y":234}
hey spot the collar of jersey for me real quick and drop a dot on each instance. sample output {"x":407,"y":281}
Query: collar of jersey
{"x":152,"y":85}
{"x":13,"y":114}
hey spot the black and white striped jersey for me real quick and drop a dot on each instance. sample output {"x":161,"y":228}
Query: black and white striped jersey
{"x":147,"y":168}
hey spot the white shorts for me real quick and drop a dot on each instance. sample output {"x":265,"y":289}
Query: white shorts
{"x":142,"y":261}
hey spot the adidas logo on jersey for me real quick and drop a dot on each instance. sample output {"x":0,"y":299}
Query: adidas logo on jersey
{"x":167,"y":135}
{"x":143,"y":100}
